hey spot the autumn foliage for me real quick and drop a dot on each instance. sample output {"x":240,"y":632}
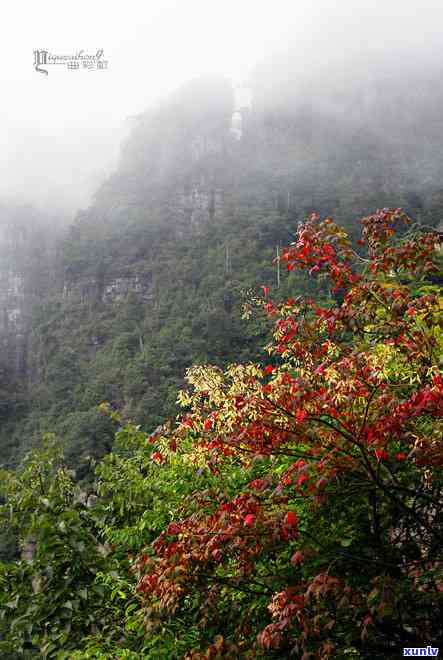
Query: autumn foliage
{"x":329,"y":538}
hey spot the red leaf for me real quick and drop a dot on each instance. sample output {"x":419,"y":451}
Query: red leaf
{"x":173,"y":529}
{"x":297,"y":557}
{"x":217,"y":554}
{"x":381,"y":454}
{"x":301,"y":479}
{"x":291,"y":519}
{"x":249,"y":519}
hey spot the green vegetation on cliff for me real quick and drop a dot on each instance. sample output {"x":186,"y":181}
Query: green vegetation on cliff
{"x":291,"y":510}
{"x":151,"y":278}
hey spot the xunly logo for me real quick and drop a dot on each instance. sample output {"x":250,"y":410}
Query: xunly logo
{"x":424,"y":650}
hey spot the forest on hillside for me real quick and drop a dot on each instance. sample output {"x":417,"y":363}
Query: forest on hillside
{"x":152,"y":276}
{"x":221,"y":388}
{"x":293,"y":509}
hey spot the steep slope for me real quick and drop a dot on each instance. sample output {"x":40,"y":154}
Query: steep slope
{"x":154,"y":272}
{"x":29,"y":273}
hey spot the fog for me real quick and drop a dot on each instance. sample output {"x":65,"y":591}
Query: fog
{"x":60,"y":133}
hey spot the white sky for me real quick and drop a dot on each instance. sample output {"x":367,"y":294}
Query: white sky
{"x":59,"y":134}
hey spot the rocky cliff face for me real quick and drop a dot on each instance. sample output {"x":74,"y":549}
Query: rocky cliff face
{"x":13,"y":326}
{"x":149,"y":278}
{"x":28,"y":273}
{"x":200,"y":205}
{"x":207,"y":155}
{"x":109,"y":290}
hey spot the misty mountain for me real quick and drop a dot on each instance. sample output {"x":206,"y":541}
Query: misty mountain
{"x":150,"y":278}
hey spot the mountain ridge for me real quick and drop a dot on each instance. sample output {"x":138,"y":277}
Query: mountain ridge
{"x":150,"y":278}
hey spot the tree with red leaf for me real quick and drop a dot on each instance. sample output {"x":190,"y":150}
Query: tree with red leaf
{"x":324,"y":532}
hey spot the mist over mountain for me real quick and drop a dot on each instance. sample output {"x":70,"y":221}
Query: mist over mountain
{"x":149,"y":277}
{"x":60,"y":133}
{"x":181,"y":231}
{"x":340,"y":114}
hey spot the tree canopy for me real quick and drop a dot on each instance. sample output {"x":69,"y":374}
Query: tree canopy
{"x":292,"y":510}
